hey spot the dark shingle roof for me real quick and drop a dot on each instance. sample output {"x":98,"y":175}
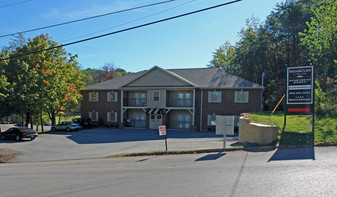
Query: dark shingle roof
{"x":213,"y":78}
{"x":201,"y":77}
{"x":115,"y":83}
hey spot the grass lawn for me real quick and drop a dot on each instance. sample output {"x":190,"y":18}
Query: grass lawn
{"x":298,"y":128}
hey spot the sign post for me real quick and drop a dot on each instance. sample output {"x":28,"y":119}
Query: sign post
{"x":162,"y":131}
{"x":300,"y":93}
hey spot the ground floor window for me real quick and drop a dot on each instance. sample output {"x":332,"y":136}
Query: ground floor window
{"x":112,"y":116}
{"x":211,"y":120}
{"x":183,"y":121}
{"x":139,"y":119}
{"x":93,"y":116}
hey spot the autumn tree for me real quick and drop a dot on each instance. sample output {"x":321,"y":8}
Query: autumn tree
{"x":44,"y":81}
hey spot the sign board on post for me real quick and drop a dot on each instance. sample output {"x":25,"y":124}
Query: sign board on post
{"x":162,"y":130}
{"x":224,"y":125}
{"x":300,"y":90}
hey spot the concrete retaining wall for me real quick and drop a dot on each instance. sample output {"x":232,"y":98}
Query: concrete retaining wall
{"x":256,"y":133}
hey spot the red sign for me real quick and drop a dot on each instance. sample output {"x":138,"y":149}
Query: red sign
{"x":162,"y":130}
{"x":307,"y":109}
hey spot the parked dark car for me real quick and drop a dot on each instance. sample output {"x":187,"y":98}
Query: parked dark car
{"x":84,"y":122}
{"x":18,"y":133}
{"x":67,"y":126}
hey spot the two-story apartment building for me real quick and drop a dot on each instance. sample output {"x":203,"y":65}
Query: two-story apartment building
{"x":183,"y":99}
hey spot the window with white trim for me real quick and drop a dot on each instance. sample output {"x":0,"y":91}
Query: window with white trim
{"x":112,"y":96}
{"x":93,"y":96}
{"x":241,"y":97}
{"x":211,"y":120}
{"x":214,"y":97}
{"x":93,"y":116}
{"x":112,"y":116}
{"x":156,"y":96}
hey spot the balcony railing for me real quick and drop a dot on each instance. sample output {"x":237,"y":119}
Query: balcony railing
{"x":179,"y":102}
{"x":135,"y":102}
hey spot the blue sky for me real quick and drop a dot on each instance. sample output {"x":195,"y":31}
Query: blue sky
{"x":186,"y":42}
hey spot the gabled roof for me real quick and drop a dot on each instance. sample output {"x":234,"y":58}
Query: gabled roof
{"x":165,"y":71}
{"x":197,"y":77}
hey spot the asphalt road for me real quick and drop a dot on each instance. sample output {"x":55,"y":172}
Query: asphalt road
{"x":104,"y":142}
{"x":284,"y":172}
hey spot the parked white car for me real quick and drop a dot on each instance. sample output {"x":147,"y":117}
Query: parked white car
{"x":67,"y":126}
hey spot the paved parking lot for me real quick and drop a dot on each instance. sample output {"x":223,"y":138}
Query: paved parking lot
{"x":105,"y":142}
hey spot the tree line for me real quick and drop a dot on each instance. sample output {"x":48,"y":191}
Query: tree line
{"x":295,"y":33}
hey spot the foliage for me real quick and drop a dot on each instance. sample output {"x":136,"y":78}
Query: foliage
{"x":223,"y":58}
{"x":3,"y":84}
{"x":321,"y":41}
{"x":268,"y":47}
{"x":45,"y":81}
{"x":17,"y":41}
{"x":108,"y":71}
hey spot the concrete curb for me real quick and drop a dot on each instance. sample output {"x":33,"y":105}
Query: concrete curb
{"x":252,"y":149}
{"x":177,"y":152}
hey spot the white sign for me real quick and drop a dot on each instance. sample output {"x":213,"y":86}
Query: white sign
{"x":162,"y":130}
{"x":224,"y":125}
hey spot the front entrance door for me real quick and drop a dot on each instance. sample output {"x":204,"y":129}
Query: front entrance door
{"x":156,"y":120}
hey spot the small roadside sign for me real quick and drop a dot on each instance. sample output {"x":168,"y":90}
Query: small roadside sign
{"x":162,"y":130}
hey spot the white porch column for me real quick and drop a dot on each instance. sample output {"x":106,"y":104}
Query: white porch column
{"x":193,"y":107}
{"x":201,"y":96}
{"x":122,"y":105}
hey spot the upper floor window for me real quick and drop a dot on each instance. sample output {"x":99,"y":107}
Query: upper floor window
{"x":140,"y":99}
{"x":184,"y":100}
{"x":112,"y":96}
{"x":214,"y":97}
{"x":93,"y":96}
{"x":156,"y":96}
{"x":241,"y":97}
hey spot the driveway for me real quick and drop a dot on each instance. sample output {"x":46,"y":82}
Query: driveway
{"x":105,"y":142}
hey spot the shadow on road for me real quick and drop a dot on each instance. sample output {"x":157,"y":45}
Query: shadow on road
{"x":211,"y":157}
{"x":293,"y":154}
{"x":105,"y":135}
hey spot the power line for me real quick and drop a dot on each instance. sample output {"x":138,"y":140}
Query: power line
{"x":127,"y":29}
{"x":3,"y":6}
{"x":87,"y":18}
{"x":138,"y":19}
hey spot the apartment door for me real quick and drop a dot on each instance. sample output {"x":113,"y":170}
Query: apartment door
{"x":156,"y":120}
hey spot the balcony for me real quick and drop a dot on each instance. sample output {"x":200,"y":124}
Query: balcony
{"x":179,"y":102}
{"x":135,"y":102}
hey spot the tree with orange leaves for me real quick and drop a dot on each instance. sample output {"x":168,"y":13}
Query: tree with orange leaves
{"x":47,"y":81}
